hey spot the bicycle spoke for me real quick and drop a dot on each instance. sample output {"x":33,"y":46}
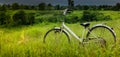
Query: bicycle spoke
{"x":56,"y":37}
{"x":102,"y":34}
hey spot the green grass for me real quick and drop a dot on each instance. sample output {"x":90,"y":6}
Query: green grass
{"x":112,"y":14}
{"x":26,"y":41}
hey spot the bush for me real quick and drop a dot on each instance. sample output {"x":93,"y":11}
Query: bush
{"x":48,"y":18}
{"x":4,"y":18}
{"x":55,"y":18}
{"x":72,"y":19}
{"x":22,"y":18}
{"x":19,"y":18}
{"x":93,"y":16}
{"x":30,"y":18}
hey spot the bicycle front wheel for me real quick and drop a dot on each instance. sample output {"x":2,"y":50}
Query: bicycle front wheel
{"x":56,"y":37}
{"x":102,"y":34}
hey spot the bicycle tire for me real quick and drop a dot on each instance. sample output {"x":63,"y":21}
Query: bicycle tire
{"x":110,"y":30}
{"x":54,"y":29}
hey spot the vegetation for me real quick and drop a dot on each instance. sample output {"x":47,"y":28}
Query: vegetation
{"x":32,"y":22}
{"x":94,"y":16}
{"x":4,"y":18}
{"x":17,"y":15}
{"x":22,"y":18}
{"x":44,"y":6}
{"x":28,"y":17}
{"x":26,"y":41}
{"x":16,"y":18}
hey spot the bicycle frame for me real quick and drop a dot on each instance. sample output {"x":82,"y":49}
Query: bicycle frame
{"x":72,"y":33}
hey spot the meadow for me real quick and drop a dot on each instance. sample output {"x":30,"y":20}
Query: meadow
{"x":27,"y":41}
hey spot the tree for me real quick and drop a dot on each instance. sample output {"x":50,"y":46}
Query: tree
{"x":4,"y":18}
{"x":9,"y":6}
{"x":3,"y":8}
{"x":57,"y":7}
{"x":94,"y":7}
{"x":19,"y":18}
{"x":15,"y":6}
{"x":33,"y":7}
{"x":26,"y":7}
{"x":22,"y":7}
{"x":117,"y":7}
{"x":85,"y":7}
{"x":78,"y":7}
{"x":49,"y":7}
{"x":42,"y":6}
{"x":23,"y":18}
{"x":70,"y":3}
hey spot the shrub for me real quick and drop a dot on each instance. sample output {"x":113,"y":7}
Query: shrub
{"x":93,"y":16}
{"x":22,"y":18}
{"x":30,"y":18}
{"x":72,"y":19}
{"x":4,"y":18}
{"x":55,"y":19}
{"x":19,"y":18}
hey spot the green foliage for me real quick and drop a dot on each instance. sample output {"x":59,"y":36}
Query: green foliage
{"x":42,"y":6}
{"x":48,"y":16}
{"x":117,"y":7}
{"x":53,"y":19}
{"x":72,"y":19}
{"x":27,"y":17}
{"x":4,"y":18}
{"x":57,"y":7}
{"x":93,"y":16}
{"x":15,"y":6}
{"x":30,"y":18}
{"x":3,"y":8}
{"x":22,"y":18}
{"x":19,"y":18}
{"x":50,"y":7}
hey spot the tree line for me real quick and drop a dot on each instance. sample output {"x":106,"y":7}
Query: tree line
{"x":21,"y":17}
{"x":44,"y":6}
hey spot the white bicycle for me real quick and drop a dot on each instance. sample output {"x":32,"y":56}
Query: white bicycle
{"x":96,"y":32}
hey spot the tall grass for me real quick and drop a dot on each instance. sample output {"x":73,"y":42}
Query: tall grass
{"x":27,"y":41}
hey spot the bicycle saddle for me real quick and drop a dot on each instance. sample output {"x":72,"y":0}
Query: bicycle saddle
{"x":85,"y":24}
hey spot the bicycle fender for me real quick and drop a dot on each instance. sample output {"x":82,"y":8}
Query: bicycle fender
{"x":102,"y":25}
{"x":98,"y":25}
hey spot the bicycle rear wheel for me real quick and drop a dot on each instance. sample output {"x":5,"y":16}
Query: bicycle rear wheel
{"x":56,"y":37}
{"x":102,"y":34}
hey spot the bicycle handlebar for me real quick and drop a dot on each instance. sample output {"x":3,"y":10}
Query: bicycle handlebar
{"x":67,"y":10}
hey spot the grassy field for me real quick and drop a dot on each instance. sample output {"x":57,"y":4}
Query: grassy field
{"x":27,"y":41}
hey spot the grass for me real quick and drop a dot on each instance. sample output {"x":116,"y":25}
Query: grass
{"x":27,"y":41}
{"x":113,"y":14}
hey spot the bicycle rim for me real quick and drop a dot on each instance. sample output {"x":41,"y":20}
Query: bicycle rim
{"x":102,"y":35}
{"x":56,"y":37}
